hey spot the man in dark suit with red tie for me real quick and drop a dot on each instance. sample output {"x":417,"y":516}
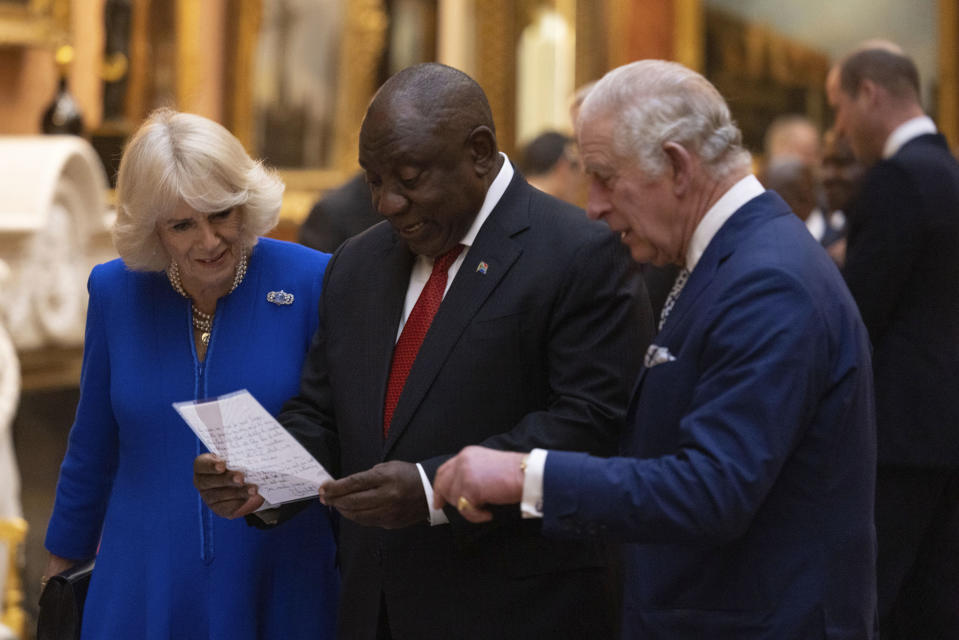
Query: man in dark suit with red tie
{"x":481,"y":311}
{"x":902,"y":266}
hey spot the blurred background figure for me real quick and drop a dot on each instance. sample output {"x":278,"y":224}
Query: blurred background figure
{"x":795,"y":181}
{"x":339,"y":215}
{"x":792,"y":135}
{"x":550,"y":163}
{"x":841,"y":176}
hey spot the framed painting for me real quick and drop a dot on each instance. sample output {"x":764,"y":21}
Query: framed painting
{"x":26,"y":23}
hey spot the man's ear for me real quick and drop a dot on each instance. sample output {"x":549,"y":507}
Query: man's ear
{"x":680,"y":167}
{"x":868,"y":91}
{"x":483,"y":149}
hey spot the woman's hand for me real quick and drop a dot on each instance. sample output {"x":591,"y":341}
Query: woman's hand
{"x":55,"y":565}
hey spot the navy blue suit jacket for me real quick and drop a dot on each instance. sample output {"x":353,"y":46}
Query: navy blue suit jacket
{"x":746,"y":481}
{"x":902,"y":266}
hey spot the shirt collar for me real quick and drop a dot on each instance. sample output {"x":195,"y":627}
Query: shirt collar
{"x":493,"y":195}
{"x":816,"y":224}
{"x":905,"y":132}
{"x":730,"y":202}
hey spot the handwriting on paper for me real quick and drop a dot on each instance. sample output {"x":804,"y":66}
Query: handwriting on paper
{"x":238,"y":429}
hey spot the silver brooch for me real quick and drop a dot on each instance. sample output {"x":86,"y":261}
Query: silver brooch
{"x":279,"y":297}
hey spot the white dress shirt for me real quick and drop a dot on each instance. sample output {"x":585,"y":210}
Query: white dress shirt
{"x":423,"y":266}
{"x":730,"y":202}
{"x":816,"y":224}
{"x":918,"y":126}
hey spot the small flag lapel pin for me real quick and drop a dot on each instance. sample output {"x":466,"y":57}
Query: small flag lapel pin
{"x":482,"y":267}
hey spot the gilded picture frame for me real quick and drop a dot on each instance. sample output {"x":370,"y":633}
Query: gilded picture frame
{"x":32,"y":23}
{"x":364,"y":33}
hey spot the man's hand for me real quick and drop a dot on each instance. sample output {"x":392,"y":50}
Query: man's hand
{"x":390,"y":495}
{"x":476,"y":477}
{"x":223,"y":490}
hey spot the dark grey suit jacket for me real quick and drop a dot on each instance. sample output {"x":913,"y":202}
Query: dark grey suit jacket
{"x":339,"y":215}
{"x":539,"y":351}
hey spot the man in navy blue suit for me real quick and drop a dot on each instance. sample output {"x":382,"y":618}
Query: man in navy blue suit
{"x":902,"y":267}
{"x":745,"y":484}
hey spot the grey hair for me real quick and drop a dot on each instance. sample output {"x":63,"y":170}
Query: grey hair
{"x":181,"y":157}
{"x":652,"y":102}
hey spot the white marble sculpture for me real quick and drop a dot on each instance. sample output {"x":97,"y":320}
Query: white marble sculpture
{"x":53,"y":229}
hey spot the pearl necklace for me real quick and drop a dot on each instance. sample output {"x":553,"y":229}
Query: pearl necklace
{"x":203,"y":321}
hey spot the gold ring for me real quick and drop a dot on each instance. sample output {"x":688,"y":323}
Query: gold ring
{"x":462,"y":504}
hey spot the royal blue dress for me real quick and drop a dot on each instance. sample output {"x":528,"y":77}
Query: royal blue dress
{"x":168,"y":567}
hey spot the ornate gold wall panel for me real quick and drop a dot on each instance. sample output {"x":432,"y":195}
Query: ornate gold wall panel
{"x":13,"y":532}
{"x":688,"y":33}
{"x":593,"y":43}
{"x":364,"y":37}
{"x":188,"y":53}
{"x":35,"y":23}
{"x":361,"y":48}
{"x":496,"y":37}
{"x":949,"y":71}
{"x":243,"y":18}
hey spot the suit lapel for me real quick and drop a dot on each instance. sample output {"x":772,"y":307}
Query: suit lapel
{"x":744,"y":221}
{"x":495,"y":246}
{"x":391,"y":280}
{"x":765,"y":206}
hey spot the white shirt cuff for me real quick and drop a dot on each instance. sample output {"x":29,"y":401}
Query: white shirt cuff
{"x":532,"y":504}
{"x":436,"y":515}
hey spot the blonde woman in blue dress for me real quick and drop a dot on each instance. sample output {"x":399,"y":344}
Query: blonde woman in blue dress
{"x":186,"y":313}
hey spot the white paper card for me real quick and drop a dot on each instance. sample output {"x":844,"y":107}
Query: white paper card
{"x":238,"y":429}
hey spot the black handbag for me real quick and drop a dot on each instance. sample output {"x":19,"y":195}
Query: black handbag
{"x":61,"y":603}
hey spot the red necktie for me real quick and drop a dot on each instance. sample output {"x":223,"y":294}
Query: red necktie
{"x":421,"y":317}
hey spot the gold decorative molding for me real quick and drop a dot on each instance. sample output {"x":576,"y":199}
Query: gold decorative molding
{"x":948,"y":107}
{"x":188,"y":53}
{"x":135,"y":102}
{"x":362,"y":44}
{"x":591,"y":42}
{"x":248,"y":15}
{"x":364,"y":37}
{"x":43,"y":23}
{"x":496,"y":66}
{"x":689,"y":34}
{"x":618,"y":19}
{"x":13,"y":532}
{"x":50,"y":367}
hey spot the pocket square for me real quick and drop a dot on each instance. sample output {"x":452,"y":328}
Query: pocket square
{"x":657,"y":355}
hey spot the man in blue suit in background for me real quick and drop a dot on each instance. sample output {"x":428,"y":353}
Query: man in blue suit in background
{"x":746,"y":481}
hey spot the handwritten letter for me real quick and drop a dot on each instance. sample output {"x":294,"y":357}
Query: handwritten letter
{"x":238,"y":429}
